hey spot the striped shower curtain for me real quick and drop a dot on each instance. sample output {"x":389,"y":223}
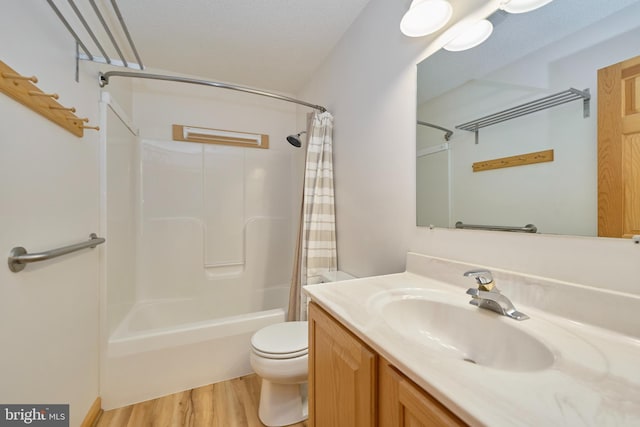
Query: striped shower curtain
{"x":316,"y":248}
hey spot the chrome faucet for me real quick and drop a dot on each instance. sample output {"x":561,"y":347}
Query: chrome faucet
{"x":488,"y":296}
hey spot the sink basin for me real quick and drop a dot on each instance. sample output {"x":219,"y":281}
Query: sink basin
{"x":465,"y":333}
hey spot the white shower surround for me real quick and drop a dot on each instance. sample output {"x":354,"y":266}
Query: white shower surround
{"x":174,"y":319}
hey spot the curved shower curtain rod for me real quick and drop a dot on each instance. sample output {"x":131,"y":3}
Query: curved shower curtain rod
{"x":447,"y":132}
{"x":104,"y":80}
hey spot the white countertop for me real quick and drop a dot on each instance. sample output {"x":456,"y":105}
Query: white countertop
{"x":594,"y":379}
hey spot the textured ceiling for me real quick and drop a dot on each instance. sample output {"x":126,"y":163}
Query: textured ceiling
{"x":268,"y":44}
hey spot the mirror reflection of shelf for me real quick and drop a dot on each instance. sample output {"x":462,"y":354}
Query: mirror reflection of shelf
{"x":550,"y":101}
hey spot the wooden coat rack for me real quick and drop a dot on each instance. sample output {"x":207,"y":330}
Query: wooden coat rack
{"x":23,"y":89}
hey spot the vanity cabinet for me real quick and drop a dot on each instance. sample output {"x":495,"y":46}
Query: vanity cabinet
{"x":351,"y":385}
{"x":342,"y":381}
{"x":403,"y":404}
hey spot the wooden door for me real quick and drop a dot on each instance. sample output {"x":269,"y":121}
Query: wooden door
{"x":342,"y":383}
{"x":404,"y":404}
{"x":619,"y":149}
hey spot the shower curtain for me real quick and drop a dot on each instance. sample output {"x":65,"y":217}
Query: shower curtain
{"x":316,"y":246}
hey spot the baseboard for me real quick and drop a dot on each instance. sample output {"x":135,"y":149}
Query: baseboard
{"x":94,"y":413}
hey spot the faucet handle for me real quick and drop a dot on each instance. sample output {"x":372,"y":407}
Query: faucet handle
{"x":484,"y":278}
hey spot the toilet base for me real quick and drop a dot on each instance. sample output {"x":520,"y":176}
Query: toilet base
{"x":282,"y":404}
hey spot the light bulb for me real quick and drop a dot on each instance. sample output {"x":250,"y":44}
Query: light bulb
{"x":471,"y":37}
{"x":425,"y":17}
{"x":522,"y":6}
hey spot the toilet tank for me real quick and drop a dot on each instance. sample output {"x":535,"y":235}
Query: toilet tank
{"x":334,"y":276}
{"x":326,"y":277}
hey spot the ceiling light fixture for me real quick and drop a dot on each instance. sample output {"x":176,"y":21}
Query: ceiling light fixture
{"x":425,"y":17}
{"x":522,"y":6}
{"x":471,"y":37}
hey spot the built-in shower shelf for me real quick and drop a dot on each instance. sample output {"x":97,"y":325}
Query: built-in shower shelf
{"x":550,"y":101}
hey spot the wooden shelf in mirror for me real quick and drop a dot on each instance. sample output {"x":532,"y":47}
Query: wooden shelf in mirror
{"x":511,"y":161}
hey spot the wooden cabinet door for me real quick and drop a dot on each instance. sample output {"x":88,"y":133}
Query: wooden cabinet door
{"x":342,"y":382}
{"x":404,"y":404}
{"x":619,"y":149}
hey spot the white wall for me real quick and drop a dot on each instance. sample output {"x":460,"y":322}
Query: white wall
{"x":369,"y":83}
{"x":49,"y":198}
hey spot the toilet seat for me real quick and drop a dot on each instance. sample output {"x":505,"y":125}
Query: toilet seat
{"x":281,"y":341}
{"x":280,"y":355}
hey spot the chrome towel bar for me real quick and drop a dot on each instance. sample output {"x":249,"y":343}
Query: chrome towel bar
{"x":529,"y":228}
{"x":18,"y":257}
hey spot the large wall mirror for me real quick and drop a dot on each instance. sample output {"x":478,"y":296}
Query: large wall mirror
{"x":552,"y":177}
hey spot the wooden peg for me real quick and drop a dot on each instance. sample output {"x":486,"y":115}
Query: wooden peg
{"x":50,"y":95}
{"x":23,"y":90}
{"x":86,"y":120}
{"x":33,"y":79}
{"x":91,"y":127}
{"x":70,"y":109}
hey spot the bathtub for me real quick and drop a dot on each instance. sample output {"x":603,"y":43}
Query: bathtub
{"x":166,"y":346}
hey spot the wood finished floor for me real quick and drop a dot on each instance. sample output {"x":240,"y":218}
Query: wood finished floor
{"x":232,"y":403}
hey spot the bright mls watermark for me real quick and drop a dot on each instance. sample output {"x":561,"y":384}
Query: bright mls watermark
{"x":34,"y":415}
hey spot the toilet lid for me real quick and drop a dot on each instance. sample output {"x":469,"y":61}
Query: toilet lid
{"x":282,"y":339}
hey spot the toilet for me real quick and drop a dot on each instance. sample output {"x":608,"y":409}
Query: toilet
{"x":279,"y":355}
